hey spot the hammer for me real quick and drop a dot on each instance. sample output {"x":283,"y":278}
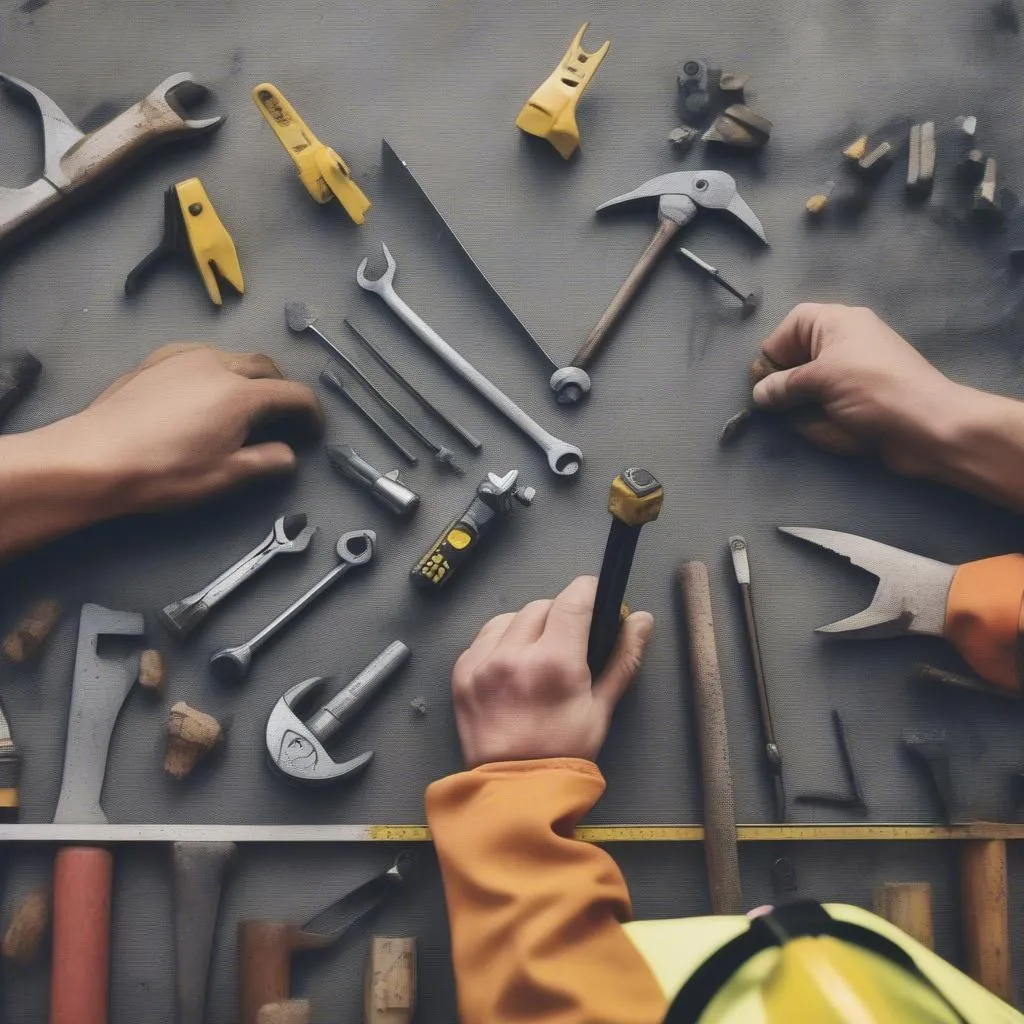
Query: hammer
{"x":634,"y":499}
{"x":679,"y":196}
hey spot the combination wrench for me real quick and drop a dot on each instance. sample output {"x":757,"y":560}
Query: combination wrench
{"x":290,"y":536}
{"x":563,"y":458}
{"x":354,"y":549}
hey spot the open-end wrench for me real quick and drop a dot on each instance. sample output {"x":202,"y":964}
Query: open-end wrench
{"x":563,"y":458}
{"x":289,"y":536}
{"x":73,"y":160}
{"x":354,"y":549}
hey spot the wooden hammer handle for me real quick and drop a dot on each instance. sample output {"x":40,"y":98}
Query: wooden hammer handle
{"x":720,"y":847}
{"x":984,"y":913}
{"x":80,"y":979}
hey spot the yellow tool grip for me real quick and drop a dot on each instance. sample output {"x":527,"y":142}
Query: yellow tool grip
{"x":321,"y":170}
{"x":212,"y":246}
{"x":550,"y":112}
{"x":985,"y":618}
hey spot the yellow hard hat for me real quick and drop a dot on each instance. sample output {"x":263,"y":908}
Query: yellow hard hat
{"x":813,"y":970}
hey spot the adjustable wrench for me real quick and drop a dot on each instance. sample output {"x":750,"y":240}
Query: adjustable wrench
{"x":563,"y":458}
{"x":289,"y":536}
{"x":73,"y":160}
{"x":354,"y":549}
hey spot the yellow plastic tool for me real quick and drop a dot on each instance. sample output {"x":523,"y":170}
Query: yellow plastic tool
{"x":550,"y":112}
{"x":212,"y":247}
{"x":321,"y":170}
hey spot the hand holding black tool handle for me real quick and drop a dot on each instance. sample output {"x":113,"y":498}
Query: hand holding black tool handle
{"x":634,"y":499}
{"x":18,"y":372}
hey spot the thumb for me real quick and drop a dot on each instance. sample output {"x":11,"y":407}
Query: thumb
{"x":258,"y":460}
{"x":625,"y":660}
{"x":785,"y":387}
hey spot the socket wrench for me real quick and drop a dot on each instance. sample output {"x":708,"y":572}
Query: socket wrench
{"x":354,"y":549}
{"x":289,"y":536}
{"x":563,"y":458}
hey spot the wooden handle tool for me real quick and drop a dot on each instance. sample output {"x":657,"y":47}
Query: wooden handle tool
{"x":720,"y":847}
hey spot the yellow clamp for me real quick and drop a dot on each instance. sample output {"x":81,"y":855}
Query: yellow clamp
{"x":212,"y":247}
{"x":550,"y":112}
{"x":321,"y":170}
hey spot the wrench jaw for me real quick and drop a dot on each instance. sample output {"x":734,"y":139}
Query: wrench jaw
{"x":294,"y":753}
{"x":284,"y":538}
{"x":231,"y":664}
{"x":564,"y":459}
{"x":380,"y":284}
{"x":181,"y":91}
{"x":357,"y":547}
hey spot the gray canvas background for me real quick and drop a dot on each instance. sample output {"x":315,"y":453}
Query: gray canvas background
{"x":444,"y":82}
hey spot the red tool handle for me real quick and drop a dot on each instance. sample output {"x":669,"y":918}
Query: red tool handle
{"x":80,"y":982}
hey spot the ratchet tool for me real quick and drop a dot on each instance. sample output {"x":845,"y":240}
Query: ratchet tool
{"x":324,"y":174}
{"x":192,"y":231}
{"x":635,"y":498}
{"x":490,"y":506}
{"x":978,"y":607}
{"x":73,"y":160}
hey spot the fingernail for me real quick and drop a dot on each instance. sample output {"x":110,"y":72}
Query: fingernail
{"x":761,"y":391}
{"x":644,"y":626}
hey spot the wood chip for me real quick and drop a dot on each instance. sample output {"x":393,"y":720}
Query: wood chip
{"x":152,"y":672}
{"x":28,"y":636}
{"x":27,"y":928}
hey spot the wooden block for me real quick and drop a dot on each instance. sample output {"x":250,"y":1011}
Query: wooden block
{"x":984,"y":913}
{"x":390,"y":981}
{"x":27,"y":928}
{"x":28,"y":636}
{"x":908,"y":905}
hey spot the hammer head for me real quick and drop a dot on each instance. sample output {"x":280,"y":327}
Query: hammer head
{"x":294,"y":752}
{"x":680,"y":193}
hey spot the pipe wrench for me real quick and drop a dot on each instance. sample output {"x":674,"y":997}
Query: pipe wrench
{"x":72,"y":160}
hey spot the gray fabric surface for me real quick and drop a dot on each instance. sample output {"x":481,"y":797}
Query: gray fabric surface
{"x":444,"y":82}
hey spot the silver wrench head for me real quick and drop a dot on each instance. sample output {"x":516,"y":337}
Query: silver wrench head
{"x":357,"y":547}
{"x":381,"y":284}
{"x":286,"y":539}
{"x":232,"y":664}
{"x":294,"y":752}
{"x":180,"y":91}
{"x":564,"y":459}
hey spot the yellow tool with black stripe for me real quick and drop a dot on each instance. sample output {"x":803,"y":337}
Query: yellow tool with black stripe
{"x":490,"y":506}
{"x":321,"y":170}
{"x":192,"y":230}
{"x":550,"y":112}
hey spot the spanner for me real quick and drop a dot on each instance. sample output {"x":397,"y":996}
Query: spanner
{"x":73,"y":160}
{"x":354,"y":549}
{"x":289,"y":536}
{"x":563,"y":458}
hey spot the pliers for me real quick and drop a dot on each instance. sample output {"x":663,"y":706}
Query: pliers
{"x":192,"y":230}
{"x":978,"y":607}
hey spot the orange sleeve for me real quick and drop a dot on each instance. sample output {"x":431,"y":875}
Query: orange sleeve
{"x":535,"y":914}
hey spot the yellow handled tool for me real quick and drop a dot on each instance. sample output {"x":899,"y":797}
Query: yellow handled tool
{"x":321,"y":170}
{"x":550,"y":112}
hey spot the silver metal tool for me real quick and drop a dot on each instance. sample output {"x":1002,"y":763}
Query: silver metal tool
{"x":680,"y":195}
{"x":389,"y":151}
{"x":10,"y":772}
{"x":329,"y":379}
{"x":563,"y":458}
{"x":302,"y":317}
{"x":912,"y":590}
{"x":295,"y":747}
{"x":385,"y":487}
{"x":751,"y":300}
{"x":772,"y":754}
{"x":411,"y":388}
{"x":72,"y":160}
{"x":197,"y":871}
{"x":98,"y":689}
{"x":354,"y":549}
{"x":289,"y":536}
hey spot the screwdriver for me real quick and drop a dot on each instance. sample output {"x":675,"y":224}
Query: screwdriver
{"x":634,"y":499}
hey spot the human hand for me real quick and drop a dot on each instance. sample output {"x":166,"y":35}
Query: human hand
{"x":867,"y":380}
{"x":174,"y":430}
{"x":523,"y":689}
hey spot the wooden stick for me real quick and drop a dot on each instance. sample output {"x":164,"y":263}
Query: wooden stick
{"x":720,"y":849}
{"x":984,"y":911}
{"x":908,"y":905}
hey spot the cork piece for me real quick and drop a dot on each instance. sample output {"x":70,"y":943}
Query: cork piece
{"x":28,"y":636}
{"x":191,"y":736}
{"x":390,"y":993}
{"x":152,"y":672}
{"x":27,"y":928}
{"x":857,"y":150}
{"x":290,"y":1011}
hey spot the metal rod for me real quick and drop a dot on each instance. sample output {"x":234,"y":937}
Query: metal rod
{"x":330,"y":380}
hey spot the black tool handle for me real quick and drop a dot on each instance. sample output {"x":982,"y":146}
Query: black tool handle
{"x":18,"y":373}
{"x":611,"y":589}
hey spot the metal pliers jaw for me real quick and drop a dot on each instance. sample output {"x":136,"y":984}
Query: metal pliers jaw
{"x":192,"y":230}
{"x":912,"y":590}
{"x":292,"y":749}
{"x":681,"y":193}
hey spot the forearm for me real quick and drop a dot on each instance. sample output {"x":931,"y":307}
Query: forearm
{"x":50,"y":485}
{"x":535,"y":914}
{"x":979,"y":447}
